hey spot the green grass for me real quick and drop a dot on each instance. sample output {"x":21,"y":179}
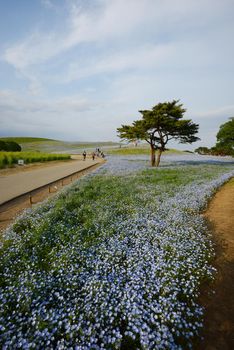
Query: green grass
{"x":9,"y":159}
{"x":138,"y":150}
{"x":21,"y":140}
{"x":39,"y":144}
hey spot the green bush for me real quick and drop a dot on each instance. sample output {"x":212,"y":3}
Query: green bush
{"x":8,"y":159}
{"x":9,"y":146}
{"x":2,"y":146}
{"x":13,"y":146}
{"x":203,"y":150}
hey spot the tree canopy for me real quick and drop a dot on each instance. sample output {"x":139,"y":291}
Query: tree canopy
{"x":203,"y":150}
{"x":160,"y":125}
{"x":9,"y":146}
{"x":225,"y":137}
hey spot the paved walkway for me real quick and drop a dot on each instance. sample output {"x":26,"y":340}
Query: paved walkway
{"x":12,"y":186}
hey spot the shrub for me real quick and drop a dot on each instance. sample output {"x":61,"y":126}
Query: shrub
{"x":13,"y":146}
{"x":9,"y":146}
{"x":10,"y":158}
{"x":203,"y":150}
{"x":2,"y":145}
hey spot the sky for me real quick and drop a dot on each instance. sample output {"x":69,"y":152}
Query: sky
{"x":76,"y":70}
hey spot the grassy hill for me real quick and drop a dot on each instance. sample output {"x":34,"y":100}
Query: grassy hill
{"x":140,"y":149}
{"x":21,"y":140}
{"x":38,"y":144}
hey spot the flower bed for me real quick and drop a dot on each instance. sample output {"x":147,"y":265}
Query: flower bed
{"x":113,"y":262}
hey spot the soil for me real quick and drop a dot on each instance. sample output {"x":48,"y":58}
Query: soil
{"x":218,"y":298}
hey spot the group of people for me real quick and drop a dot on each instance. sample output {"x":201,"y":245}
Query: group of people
{"x":97,"y":153}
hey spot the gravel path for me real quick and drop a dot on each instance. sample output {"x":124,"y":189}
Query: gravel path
{"x":14,"y":185}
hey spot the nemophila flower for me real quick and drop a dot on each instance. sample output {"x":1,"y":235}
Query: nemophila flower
{"x":117,"y":258}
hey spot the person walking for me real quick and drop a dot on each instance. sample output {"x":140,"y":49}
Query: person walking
{"x":93,"y":155}
{"x":84,"y":155}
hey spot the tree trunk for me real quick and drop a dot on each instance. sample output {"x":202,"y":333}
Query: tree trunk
{"x":152,"y":156}
{"x":158,"y":157}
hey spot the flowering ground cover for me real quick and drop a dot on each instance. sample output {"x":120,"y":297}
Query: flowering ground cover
{"x":115,"y":261}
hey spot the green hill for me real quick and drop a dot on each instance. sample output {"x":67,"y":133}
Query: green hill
{"x":21,"y":140}
{"x":142,"y":149}
{"x":39,"y":144}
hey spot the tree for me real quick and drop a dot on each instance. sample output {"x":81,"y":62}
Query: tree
{"x":160,"y":125}
{"x":9,"y":146}
{"x":13,"y":146}
{"x":225,"y":138}
{"x":2,"y":145}
{"x":203,"y":150}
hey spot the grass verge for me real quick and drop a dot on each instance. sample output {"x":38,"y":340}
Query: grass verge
{"x":8,"y":159}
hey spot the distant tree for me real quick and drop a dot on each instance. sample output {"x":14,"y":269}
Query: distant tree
{"x":3,"y":145}
{"x":203,"y":150}
{"x":13,"y":146}
{"x":225,"y":138}
{"x":9,"y":146}
{"x":220,"y":150}
{"x":160,"y":125}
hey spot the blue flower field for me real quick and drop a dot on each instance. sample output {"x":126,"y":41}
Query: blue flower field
{"x":114,"y":261}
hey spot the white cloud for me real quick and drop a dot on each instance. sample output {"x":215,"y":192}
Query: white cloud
{"x":144,"y":57}
{"x":11,"y":101}
{"x":64,"y":116}
{"x":126,"y":54}
{"x":107,"y":20}
{"x":48,"y":4}
{"x":225,"y":111}
{"x":35,"y":49}
{"x":81,"y":26}
{"x":118,"y":23}
{"x":76,"y":118}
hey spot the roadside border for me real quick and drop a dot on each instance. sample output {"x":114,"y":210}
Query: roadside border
{"x":8,"y":209}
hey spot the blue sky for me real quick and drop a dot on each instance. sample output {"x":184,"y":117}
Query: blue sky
{"x":78,"y":69}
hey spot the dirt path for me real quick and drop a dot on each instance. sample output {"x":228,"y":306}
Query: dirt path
{"x":219,"y":317}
